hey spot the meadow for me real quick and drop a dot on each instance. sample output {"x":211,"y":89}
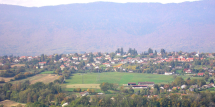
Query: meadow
{"x":119,"y":78}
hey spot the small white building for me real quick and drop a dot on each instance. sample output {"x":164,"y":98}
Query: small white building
{"x":168,"y":73}
{"x":65,"y":104}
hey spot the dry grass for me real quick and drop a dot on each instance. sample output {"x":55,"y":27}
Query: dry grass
{"x":9,"y":103}
{"x":45,"y":79}
{"x":6,"y":79}
{"x":83,"y":86}
{"x":18,"y":65}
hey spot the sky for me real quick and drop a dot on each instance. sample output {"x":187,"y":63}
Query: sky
{"x":40,"y":3}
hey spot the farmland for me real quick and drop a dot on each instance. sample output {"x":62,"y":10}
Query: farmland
{"x":117,"y":77}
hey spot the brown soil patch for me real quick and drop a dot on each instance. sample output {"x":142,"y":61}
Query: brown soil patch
{"x":45,"y":79}
{"x":9,"y":103}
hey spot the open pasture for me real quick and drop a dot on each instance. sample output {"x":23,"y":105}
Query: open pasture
{"x":9,"y":103}
{"x":18,"y":65}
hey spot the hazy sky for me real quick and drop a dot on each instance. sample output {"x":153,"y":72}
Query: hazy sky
{"x":39,"y":3}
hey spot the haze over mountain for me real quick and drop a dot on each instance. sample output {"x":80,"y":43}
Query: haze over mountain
{"x":105,"y":26}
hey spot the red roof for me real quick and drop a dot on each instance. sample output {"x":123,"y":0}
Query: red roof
{"x":62,"y":66}
{"x":42,"y":62}
{"x":200,"y":73}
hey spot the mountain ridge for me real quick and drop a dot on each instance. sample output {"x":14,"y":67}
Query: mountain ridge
{"x":102,"y":26}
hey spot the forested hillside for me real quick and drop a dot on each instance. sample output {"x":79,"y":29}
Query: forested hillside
{"x":103,"y":26}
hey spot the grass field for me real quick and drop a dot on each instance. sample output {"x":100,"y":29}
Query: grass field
{"x":9,"y":103}
{"x":120,"y":78}
{"x":18,"y":65}
{"x":47,"y":72}
{"x":116,"y":77}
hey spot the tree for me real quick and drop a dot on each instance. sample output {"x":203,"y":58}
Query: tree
{"x":150,"y":50}
{"x":42,"y":58}
{"x":211,"y":81}
{"x":155,"y":52}
{"x":29,"y":97}
{"x":122,"y":52}
{"x":57,"y":71}
{"x":179,"y":81}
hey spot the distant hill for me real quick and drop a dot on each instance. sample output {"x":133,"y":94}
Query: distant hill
{"x":105,"y":26}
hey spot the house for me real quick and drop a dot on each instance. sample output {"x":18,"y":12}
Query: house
{"x":183,"y":86}
{"x":159,"y":54}
{"x":118,"y":54}
{"x":62,"y":67}
{"x":188,"y":71}
{"x":85,"y":93}
{"x":146,"y":83}
{"x":42,"y":63}
{"x":151,"y":54}
{"x":75,"y":58}
{"x":178,"y":67}
{"x":16,"y":60}
{"x":131,"y":83}
{"x":84,"y":59}
{"x":201,"y":74}
{"x":190,"y":59}
{"x":22,"y":57}
{"x":191,"y":89}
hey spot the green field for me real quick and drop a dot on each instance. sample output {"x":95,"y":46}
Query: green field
{"x":47,"y":72}
{"x":119,"y":78}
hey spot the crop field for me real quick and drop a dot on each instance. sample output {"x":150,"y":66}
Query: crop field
{"x":18,"y":65}
{"x":9,"y":103}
